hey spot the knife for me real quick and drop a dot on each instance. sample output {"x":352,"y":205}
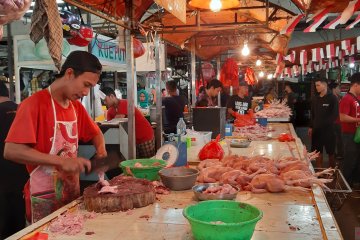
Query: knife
{"x":101,"y":165}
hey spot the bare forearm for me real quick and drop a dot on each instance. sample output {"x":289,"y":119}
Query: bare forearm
{"x":99,"y":144}
{"x":348,"y":119}
{"x":230,"y":111}
{"x":22,"y":153}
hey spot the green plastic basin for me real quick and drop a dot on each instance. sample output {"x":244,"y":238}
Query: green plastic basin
{"x":149,"y":171}
{"x":222,"y":220}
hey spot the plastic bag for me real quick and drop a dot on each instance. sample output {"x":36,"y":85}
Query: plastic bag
{"x":139,"y":49}
{"x":357,"y":135}
{"x":285,"y":137}
{"x":212,"y":150}
{"x":242,"y":120}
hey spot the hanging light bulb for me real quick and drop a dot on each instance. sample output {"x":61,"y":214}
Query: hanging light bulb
{"x":215,"y":5}
{"x":258,"y":62}
{"x":261,"y":74}
{"x":352,"y":65}
{"x":245,"y":50}
{"x":269,"y":76}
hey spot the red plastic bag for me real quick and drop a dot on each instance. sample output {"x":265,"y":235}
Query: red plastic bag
{"x":139,"y":49}
{"x":285,"y":137}
{"x":242,"y":120}
{"x":212,"y":150}
{"x":229,"y":74}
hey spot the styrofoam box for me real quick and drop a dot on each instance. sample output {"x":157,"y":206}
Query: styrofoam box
{"x":198,"y":139}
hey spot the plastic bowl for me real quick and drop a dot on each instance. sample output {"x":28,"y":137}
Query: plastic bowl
{"x":179,"y":178}
{"x":149,"y":169}
{"x":198,"y":192}
{"x":222,"y":220}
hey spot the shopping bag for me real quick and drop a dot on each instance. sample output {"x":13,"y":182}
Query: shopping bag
{"x":357,"y":135}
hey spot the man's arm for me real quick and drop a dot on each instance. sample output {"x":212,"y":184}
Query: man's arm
{"x":23,"y":153}
{"x":99,"y":144}
{"x":348,"y":119}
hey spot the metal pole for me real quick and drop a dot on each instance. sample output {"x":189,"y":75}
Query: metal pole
{"x":193,"y":73}
{"x":92,"y":94}
{"x":115,"y":80}
{"x":267,"y":13}
{"x":158,"y":93}
{"x":218,"y":66}
{"x":11,"y":66}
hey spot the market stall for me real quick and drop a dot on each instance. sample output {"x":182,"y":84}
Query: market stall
{"x":287,"y":215}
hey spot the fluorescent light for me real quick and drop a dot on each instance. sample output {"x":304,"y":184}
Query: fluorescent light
{"x":245,"y":51}
{"x":258,"y":62}
{"x":215,"y":5}
{"x":352,"y":65}
{"x":168,"y":68}
{"x":269,"y":76}
{"x":261,"y":74}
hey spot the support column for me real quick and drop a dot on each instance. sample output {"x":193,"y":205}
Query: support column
{"x":92,"y":93}
{"x":193,"y":72}
{"x":13,"y":88}
{"x":218,"y":67}
{"x":158,"y":93}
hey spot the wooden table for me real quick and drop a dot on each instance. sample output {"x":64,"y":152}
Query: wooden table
{"x":309,"y":212}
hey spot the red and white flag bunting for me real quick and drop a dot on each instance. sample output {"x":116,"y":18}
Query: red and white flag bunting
{"x":356,"y":21}
{"x":349,"y":11}
{"x":317,"y":54}
{"x":288,"y":72}
{"x":303,"y":57}
{"x":330,"y":51}
{"x":295,"y":70}
{"x":322,"y":64}
{"x":279,"y":58}
{"x":319,"y":17}
{"x":310,"y":67}
{"x":351,"y":51}
{"x":337,"y":51}
{"x":333,"y":23}
{"x":289,"y":28}
{"x":346,"y":45}
{"x":303,"y":70}
{"x":341,"y":54}
{"x":291,"y":57}
{"x":358,"y":43}
{"x":335,"y":63}
{"x":279,"y":69}
{"x":317,"y":67}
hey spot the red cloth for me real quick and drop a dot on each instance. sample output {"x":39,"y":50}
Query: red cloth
{"x":34,"y":122}
{"x":143,"y":129}
{"x":349,"y":106}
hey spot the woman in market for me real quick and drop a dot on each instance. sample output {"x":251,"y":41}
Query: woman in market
{"x":210,"y":97}
{"x":45,"y":135}
{"x":144,"y":134}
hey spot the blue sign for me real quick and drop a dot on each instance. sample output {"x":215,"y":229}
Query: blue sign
{"x":108,"y":51}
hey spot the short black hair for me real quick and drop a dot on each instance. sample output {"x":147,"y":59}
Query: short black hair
{"x":355,"y":78}
{"x":4,"y":91}
{"x":333,"y":85}
{"x":171,"y":86}
{"x":214,"y":83}
{"x":323,"y":80}
{"x":108,"y":91}
{"x":163,"y":89}
{"x":289,"y":85}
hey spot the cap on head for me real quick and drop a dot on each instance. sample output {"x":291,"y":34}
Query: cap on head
{"x":82,"y":61}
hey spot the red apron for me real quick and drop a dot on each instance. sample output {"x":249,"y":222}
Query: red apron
{"x":49,"y":189}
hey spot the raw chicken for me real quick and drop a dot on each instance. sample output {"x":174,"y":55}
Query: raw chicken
{"x":303,"y":179}
{"x":212,"y":174}
{"x":108,"y":189}
{"x":209,"y":163}
{"x":224,"y":189}
{"x":68,"y":224}
{"x":138,"y":165}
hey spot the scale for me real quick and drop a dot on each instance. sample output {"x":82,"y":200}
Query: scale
{"x":173,"y":152}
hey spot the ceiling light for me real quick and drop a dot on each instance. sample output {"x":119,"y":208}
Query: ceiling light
{"x":352,"y":65}
{"x":261,"y":74}
{"x":258,"y":62}
{"x":245,"y":51}
{"x":168,"y":68}
{"x":215,"y":5}
{"x":269,"y":76}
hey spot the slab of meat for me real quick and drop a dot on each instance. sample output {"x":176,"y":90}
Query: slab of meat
{"x":131,"y":193}
{"x":212,"y":174}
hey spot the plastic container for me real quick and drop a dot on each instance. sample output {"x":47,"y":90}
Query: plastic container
{"x":149,"y":169}
{"x":181,"y":127}
{"x":222,"y":220}
{"x":198,"y":138}
{"x":263,"y":121}
{"x":228,"y":129}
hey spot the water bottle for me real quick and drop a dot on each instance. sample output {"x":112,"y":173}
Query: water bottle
{"x":181,"y":127}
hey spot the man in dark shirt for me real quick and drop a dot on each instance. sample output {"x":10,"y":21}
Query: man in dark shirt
{"x":324,"y":112}
{"x":210,"y":97}
{"x":240,"y":102}
{"x":13,"y":176}
{"x":290,"y":98}
{"x":174,"y":107}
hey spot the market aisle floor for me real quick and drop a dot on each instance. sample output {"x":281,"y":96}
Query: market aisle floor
{"x":348,"y":217}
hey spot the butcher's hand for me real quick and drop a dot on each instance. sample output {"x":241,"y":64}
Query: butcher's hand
{"x":310,"y":132}
{"x":75,"y":165}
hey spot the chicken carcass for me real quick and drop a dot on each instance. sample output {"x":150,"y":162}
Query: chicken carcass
{"x":231,"y":176}
{"x":260,"y":162}
{"x":303,"y":179}
{"x":209,"y":163}
{"x":212,"y":174}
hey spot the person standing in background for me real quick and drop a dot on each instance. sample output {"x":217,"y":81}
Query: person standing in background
{"x":174,"y":107}
{"x":240,"y":102}
{"x":13,"y":176}
{"x":350,"y":121}
{"x":290,"y":98}
{"x":324,"y":112}
{"x":210,"y":97}
{"x":339,"y":153}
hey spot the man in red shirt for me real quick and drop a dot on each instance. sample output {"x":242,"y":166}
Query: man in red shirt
{"x":45,"y":135}
{"x":117,"y":108}
{"x":350,"y":120}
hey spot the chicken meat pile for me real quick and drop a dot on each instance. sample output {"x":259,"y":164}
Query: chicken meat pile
{"x":254,"y":132}
{"x":261,"y":174}
{"x":276,"y":109}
